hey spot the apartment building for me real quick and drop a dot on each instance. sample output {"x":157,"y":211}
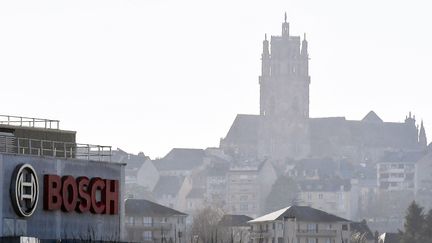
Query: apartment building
{"x":336,"y":196}
{"x":300,"y":224}
{"x":147,"y":221}
{"x":248,"y":186}
{"x":396,"y":171}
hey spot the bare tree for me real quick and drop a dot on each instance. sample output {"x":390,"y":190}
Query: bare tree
{"x":204,"y":226}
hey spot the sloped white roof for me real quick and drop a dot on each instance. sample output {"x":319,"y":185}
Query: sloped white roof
{"x":271,"y":216}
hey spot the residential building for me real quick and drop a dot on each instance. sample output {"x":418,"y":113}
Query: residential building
{"x":195,"y":200}
{"x":216,"y":183}
{"x":248,"y":187}
{"x":171,"y":191}
{"x":147,"y":221}
{"x":396,"y":171}
{"x":300,"y":224}
{"x":336,"y":196}
{"x":423,"y":180}
{"x":181,"y":162}
{"x":133,"y":163}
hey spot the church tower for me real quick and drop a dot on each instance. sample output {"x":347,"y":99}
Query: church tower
{"x":284,"y":96}
{"x":422,"y":136}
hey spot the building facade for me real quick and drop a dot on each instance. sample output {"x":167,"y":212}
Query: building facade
{"x":335,"y":196}
{"x":54,"y":188}
{"x":248,"y":187}
{"x":147,"y":221}
{"x":300,"y":224}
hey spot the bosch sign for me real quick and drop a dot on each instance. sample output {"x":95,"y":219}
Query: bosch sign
{"x":95,"y":195}
{"x":24,"y":190}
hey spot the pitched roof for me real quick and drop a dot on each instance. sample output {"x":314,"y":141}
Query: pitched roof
{"x":328,"y":134}
{"x":301,"y":213}
{"x":132,"y":161}
{"x":168,"y":185}
{"x":144,"y":207}
{"x":372,"y":117}
{"x":244,"y":129}
{"x":231,"y":220}
{"x":181,"y":159}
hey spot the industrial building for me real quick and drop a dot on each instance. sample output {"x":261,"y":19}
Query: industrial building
{"x":54,"y":188}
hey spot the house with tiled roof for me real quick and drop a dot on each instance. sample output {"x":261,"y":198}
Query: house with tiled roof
{"x":181,"y":162}
{"x":171,"y":191}
{"x":147,"y":221}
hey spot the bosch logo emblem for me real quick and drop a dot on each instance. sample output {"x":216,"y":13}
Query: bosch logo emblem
{"x":24,"y":190}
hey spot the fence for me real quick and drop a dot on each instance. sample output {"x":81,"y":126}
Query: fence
{"x":12,"y":145}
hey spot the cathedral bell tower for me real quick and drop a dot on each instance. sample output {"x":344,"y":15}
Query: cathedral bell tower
{"x":284,"y":96}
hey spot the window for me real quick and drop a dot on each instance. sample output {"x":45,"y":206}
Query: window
{"x":320,"y":196}
{"x":244,"y":207}
{"x":312,"y":240}
{"x":147,"y":235}
{"x":274,"y":226}
{"x":147,"y":220}
{"x":312,"y":227}
{"x":344,"y":227}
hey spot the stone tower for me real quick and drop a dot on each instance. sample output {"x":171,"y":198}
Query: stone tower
{"x":284,"y":97}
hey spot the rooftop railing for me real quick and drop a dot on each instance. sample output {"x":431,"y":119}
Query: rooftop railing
{"x":21,"y":121}
{"x":25,"y":146}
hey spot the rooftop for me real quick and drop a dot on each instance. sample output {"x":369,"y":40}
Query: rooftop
{"x":43,"y":137}
{"x":300,"y":213}
{"x":144,"y":207}
{"x":230,"y":220}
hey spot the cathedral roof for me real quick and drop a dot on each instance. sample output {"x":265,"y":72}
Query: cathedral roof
{"x":372,"y":117}
{"x":244,"y":129}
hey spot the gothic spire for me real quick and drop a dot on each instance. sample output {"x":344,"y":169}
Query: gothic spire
{"x":304,"y":47}
{"x":285,"y":27}
{"x":422,"y":136}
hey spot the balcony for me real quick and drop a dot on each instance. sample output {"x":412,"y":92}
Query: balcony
{"x":259,"y":234}
{"x":150,"y":226}
{"x":316,"y":233}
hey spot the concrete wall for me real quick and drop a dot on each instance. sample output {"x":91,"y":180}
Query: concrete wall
{"x":57,"y":224}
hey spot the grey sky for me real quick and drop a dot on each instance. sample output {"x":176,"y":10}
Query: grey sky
{"x":151,"y":75}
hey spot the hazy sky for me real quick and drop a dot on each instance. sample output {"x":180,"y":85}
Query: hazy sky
{"x":150,"y":75}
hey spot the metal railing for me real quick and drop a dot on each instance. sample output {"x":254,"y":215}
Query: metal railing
{"x":314,"y":232}
{"x":21,"y":121}
{"x":12,"y":145}
{"x":155,"y":226}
